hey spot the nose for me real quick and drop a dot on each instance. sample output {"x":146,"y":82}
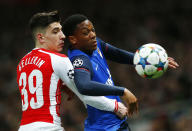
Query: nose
{"x":92,"y":34}
{"x":62,"y":35}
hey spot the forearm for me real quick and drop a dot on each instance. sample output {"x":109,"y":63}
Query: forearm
{"x":88,"y":87}
{"x":99,"y":102}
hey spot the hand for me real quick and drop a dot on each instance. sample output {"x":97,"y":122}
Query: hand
{"x":172,"y":63}
{"x":122,"y":110}
{"x":131,"y":101}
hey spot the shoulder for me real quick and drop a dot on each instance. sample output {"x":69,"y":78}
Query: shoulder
{"x":51,"y":53}
{"x":80,"y":61}
{"x":57,"y":59}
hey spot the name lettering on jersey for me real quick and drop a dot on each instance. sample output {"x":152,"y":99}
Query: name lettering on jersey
{"x":29,"y":61}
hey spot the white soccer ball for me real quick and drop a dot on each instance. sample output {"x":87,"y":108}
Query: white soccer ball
{"x":150,"y":61}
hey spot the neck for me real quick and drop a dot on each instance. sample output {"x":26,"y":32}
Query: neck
{"x":88,"y":52}
{"x":38,"y":45}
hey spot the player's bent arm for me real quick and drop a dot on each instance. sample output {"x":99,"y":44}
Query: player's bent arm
{"x":82,"y":77}
{"x":119,"y":108}
{"x":85,"y":85}
{"x":127,"y":96}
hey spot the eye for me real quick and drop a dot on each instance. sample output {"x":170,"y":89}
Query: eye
{"x":55,"y":31}
{"x":93,"y":30}
{"x":85,"y":32}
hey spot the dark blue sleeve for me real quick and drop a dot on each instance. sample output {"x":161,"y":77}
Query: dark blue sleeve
{"x":82,"y":78}
{"x":115,"y":54}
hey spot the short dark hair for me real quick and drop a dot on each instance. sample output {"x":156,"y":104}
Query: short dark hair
{"x":43,"y":19}
{"x":70,"y":24}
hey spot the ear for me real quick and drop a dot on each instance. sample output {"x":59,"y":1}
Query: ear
{"x":40,"y":38}
{"x":72,"y":40}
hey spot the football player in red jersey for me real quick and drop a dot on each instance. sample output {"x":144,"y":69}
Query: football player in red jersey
{"x":38,"y":74}
{"x":42,"y":72}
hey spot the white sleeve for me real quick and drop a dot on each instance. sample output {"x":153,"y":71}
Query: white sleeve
{"x":63,"y":68}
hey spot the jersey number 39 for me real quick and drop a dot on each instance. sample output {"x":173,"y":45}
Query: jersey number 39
{"x":35,"y":81}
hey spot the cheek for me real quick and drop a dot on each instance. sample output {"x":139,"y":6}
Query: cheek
{"x":53,"y":40}
{"x":85,"y":40}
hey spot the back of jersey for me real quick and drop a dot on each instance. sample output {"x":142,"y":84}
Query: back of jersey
{"x":39,"y":87}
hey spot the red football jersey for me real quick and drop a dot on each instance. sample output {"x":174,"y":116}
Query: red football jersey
{"x":39,"y":75}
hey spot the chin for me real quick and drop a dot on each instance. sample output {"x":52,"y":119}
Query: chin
{"x":59,"y":50}
{"x":95,"y":48}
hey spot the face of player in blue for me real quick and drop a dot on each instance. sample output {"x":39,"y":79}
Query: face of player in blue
{"x":84,"y":37}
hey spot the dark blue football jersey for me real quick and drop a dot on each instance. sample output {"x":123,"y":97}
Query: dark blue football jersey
{"x":97,"y":120}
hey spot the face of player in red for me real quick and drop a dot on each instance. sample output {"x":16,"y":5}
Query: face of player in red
{"x":53,"y":38}
{"x":84,"y":37}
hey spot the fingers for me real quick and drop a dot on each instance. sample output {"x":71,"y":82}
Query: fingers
{"x":172,"y":63}
{"x":133,"y":108}
{"x":131,"y":102}
{"x":170,"y":58}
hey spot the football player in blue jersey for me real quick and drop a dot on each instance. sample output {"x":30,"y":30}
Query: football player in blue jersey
{"x":88,"y":55}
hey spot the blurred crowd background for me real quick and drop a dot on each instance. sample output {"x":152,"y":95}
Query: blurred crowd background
{"x":165,"y":103}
